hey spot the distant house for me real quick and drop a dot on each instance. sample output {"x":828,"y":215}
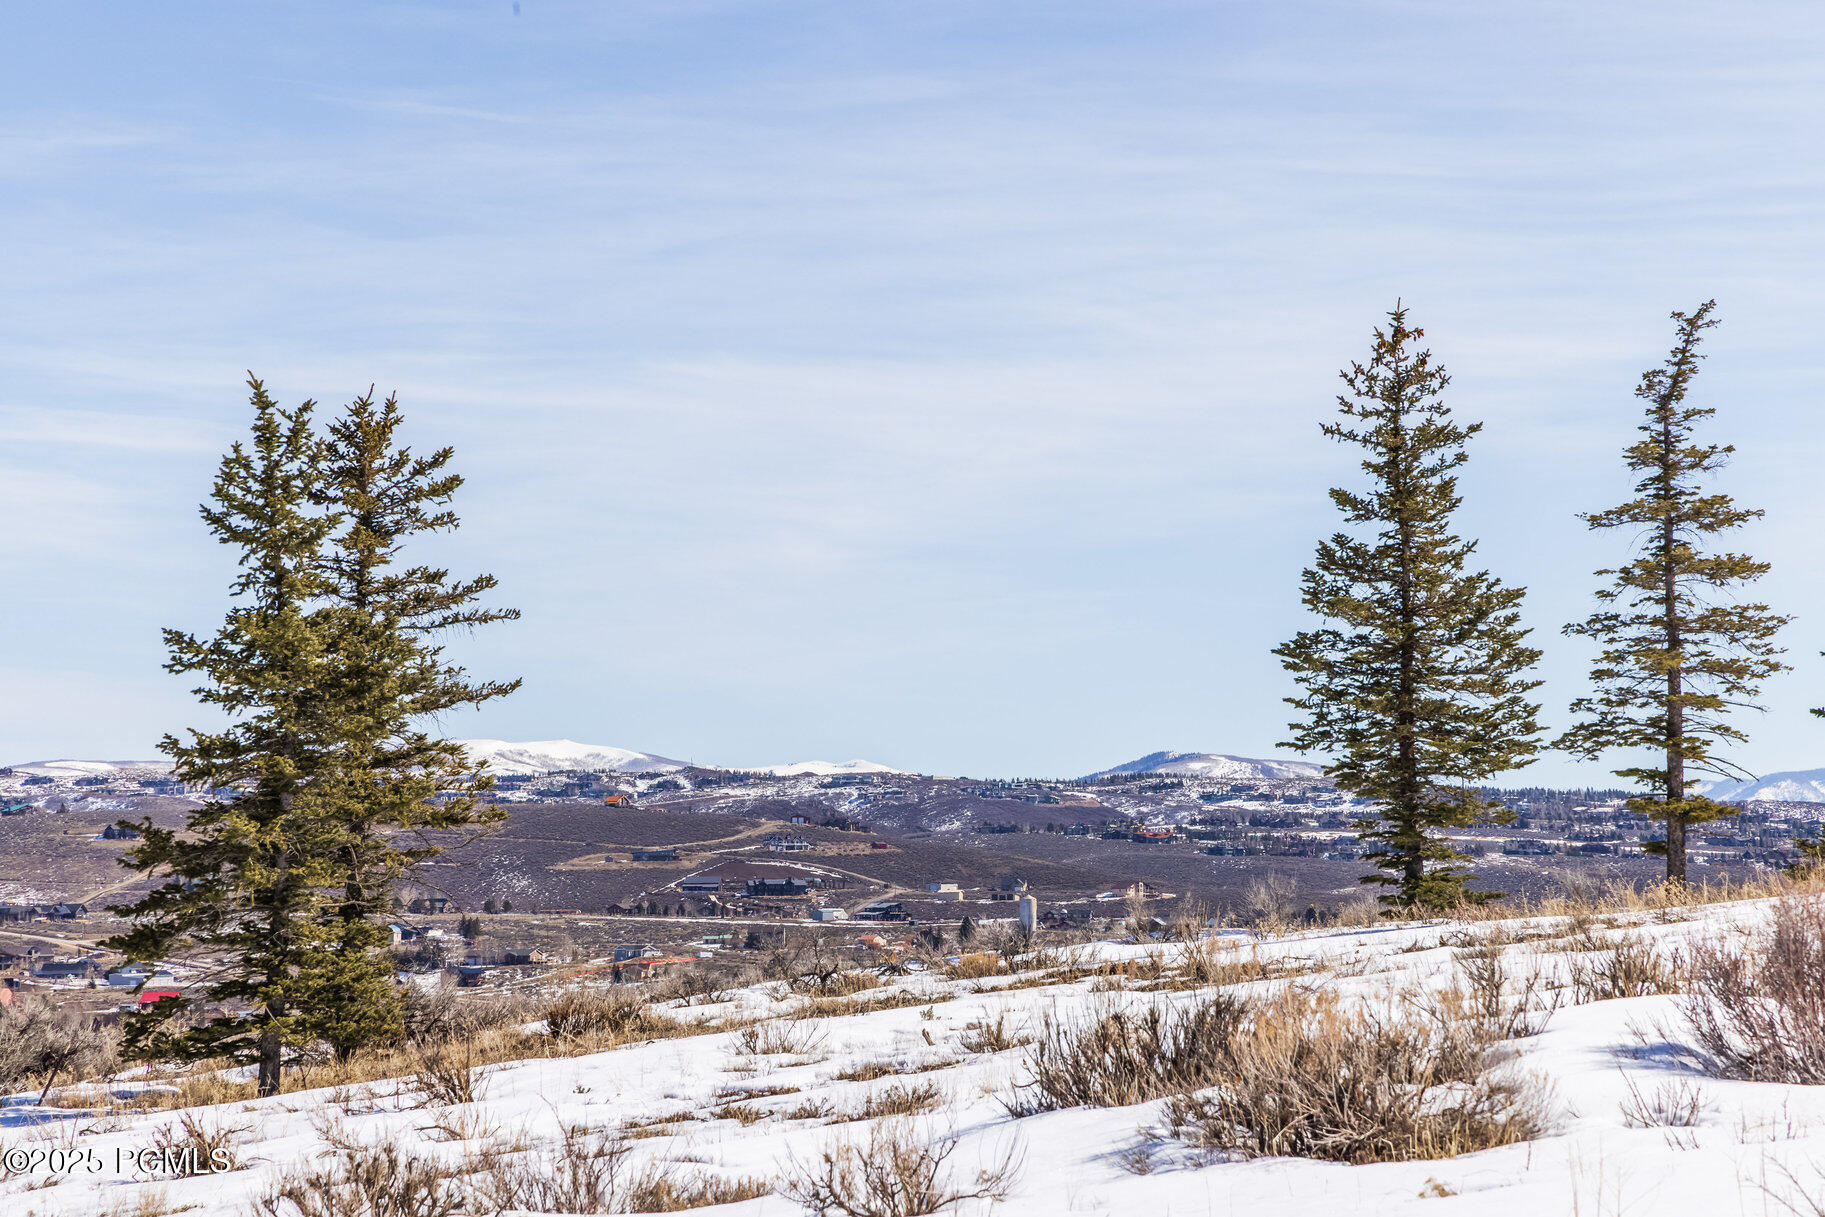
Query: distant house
{"x":700,"y":885}
{"x":139,"y":974}
{"x":401,"y":932}
{"x":653,"y":855}
{"x":800,"y":817}
{"x":778,"y":887}
{"x":22,"y":959}
{"x":69,"y":969}
{"x":617,"y":800}
{"x":829,"y":915}
{"x":523,"y":958}
{"x":879,"y":845}
{"x":882,"y":910}
{"x":636,"y":950}
{"x":781,"y":843}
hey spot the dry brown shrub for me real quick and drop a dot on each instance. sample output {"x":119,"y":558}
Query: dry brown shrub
{"x":985,"y":1036}
{"x":775,"y":1037}
{"x":1498,"y":1006}
{"x":1306,"y":1078}
{"x":591,"y":1171}
{"x":1295,"y":1075}
{"x":1675,"y":1104}
{"x":1758,"y":1012}
{"x":445,"y":1076}
{"x":602,"y":1015}
{"x":894,"y":1173}
{"x":1625,"y":967}
{"x":199,"y":1146}
{"x":378,"y":1180}
{"x":1120,"y":1057}
{"x":40,"y":1043}
{"x":975,"y":966}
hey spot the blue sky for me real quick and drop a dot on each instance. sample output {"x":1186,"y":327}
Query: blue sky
{"x":937,"y":383}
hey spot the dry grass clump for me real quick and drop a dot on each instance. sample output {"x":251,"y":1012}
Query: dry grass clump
{"x":984,"y":1036}
{"x":776,"y":1037}
{"x":1624,"y":967}
{"x":1295,"y":1075}
{"x":605,"y":1018}
{"x":1675,"y":1104}
{"x":742,"y":1113}
{"x":976,"y":965}
{"x":439,"y":1014}
{"x":868,"y":1071}
{"x":894,"y":1173}
{"x":1758,"y":1012}
{"x":901,"y":1100}
{"x":445,"y":1076}
{"x":1215,"y":962}
{"x":1120,"y":1058}
{"x":201,"y":1147}
{"x":1497,"y":1006}
{"x":379,"y":1180}
{"x":592,"y":1171}
{"x":865,"y":1002}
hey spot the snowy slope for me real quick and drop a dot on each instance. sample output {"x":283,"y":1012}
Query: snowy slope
{"x":1213,"y":765}
{"x":550,"y":756}
{"x":826,"y":768}
{"x":1794,"y":786}
{"x":1751,"y":1147}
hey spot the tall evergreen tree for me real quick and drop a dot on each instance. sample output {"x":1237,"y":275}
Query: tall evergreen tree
{"x":386,"y":675}
{"x":245,"y":878}
{"x":1418,"y":687}
{"x":1675,"y":657}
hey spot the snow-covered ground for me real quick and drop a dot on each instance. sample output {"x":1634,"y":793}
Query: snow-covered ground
{"x":1753,"y":1144}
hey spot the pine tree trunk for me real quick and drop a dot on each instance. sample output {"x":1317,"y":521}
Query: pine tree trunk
{"x":1676,"y":761}
{"x":271,"y":1057}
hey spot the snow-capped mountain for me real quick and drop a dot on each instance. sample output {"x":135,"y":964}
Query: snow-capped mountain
{"x":1794,"y":786}
{"x":827,"y":768}
{"x":552,"y":755}
{"x":1213,"y":765}
{"x":69,"y":770}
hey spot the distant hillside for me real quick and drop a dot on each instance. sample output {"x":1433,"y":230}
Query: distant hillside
{"x":1794,"y":786}
{"x":1213,"y":765}
{"x":827,"y":768}
{"x":551,"y":756}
